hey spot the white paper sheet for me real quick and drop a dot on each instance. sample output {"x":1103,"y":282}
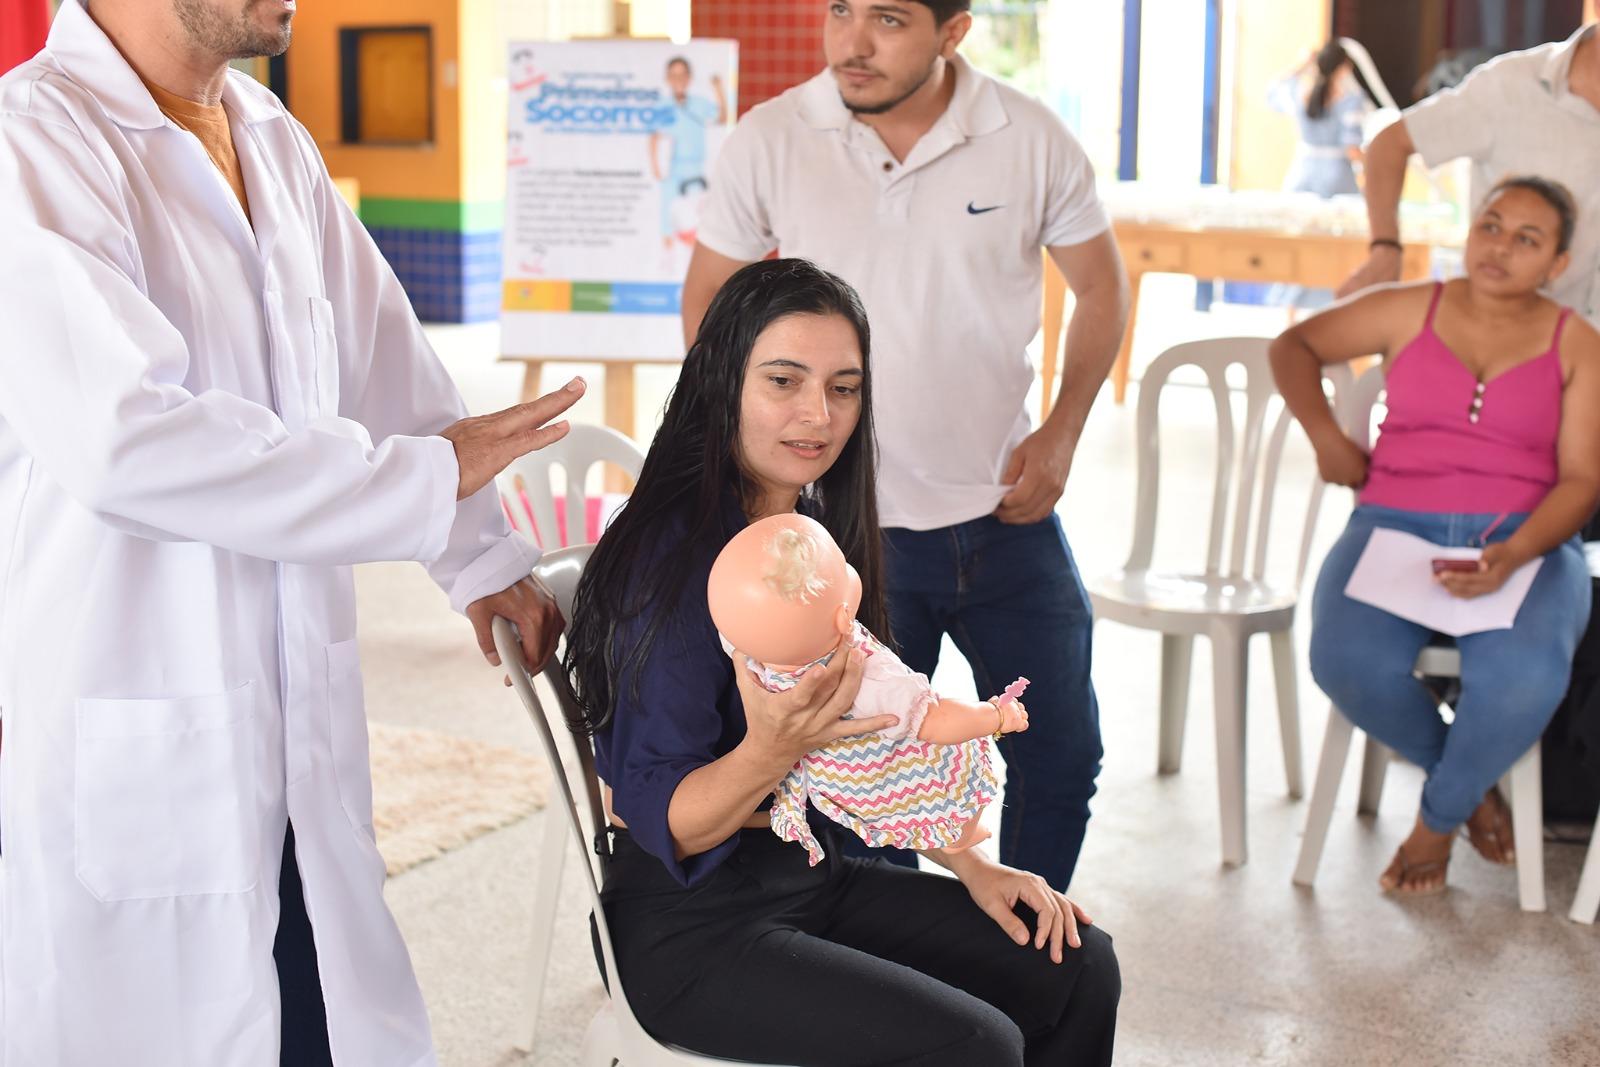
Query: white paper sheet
{"x":1395,"y":573}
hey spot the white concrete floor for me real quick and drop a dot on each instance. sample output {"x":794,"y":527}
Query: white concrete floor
{"x":1220,"y":966}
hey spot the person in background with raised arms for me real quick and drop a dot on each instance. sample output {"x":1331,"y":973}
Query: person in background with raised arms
{"x":932,"y":189}
{"x":215,"y":399}
{"x":1531,"y":112}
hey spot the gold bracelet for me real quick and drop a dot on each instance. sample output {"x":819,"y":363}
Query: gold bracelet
{"x":1000,"y":727}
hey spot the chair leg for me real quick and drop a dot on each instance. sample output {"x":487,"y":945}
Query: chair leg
{"x":546,"y":898}
{"x":1284,"y":673}
{"x":1324,"y":791}
{"x":1374,"y":765}
{"x":1527,"y":823}
{"x":1586,"y":905}
{"x":1177,"y":653}
{"x":601,"y":1041}
{"x":1230,"y":669}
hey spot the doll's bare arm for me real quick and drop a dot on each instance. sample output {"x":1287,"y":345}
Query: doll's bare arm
{"x":950,"y":721}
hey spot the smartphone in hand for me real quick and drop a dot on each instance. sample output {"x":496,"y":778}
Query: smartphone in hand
{"x":1441,"y":566}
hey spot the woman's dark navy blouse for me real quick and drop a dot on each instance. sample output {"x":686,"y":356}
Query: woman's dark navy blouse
{"x":684,"y":713}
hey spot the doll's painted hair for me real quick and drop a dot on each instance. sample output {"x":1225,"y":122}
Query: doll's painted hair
{"x":792,"y":573}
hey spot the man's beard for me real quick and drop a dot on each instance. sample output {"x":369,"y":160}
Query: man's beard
{"x":236,"y":38}
{"x":879,"y":109}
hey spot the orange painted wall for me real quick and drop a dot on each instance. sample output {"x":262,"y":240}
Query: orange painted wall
{"x":430,"y":172}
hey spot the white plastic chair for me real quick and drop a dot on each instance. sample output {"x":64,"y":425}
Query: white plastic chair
{"x":1231,"y":599}
{"x":613,"y":1036}
{"x":584,"y":446}
{"x":1586,"y":905}
{"x":1525,"y":791}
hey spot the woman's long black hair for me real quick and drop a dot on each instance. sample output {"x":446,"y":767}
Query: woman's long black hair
{"x":1330,"y":58}
{"x":691,"y":469}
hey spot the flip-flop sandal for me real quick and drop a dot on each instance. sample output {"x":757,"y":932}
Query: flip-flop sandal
{"x":1501,"y":837}
{"x":1409,"y":870}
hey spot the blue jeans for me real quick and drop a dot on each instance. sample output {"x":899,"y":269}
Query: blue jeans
{"x":1511,"y":680}
{"x":1010,"y":598}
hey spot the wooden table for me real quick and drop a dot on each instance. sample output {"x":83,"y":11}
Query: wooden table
{"x":1313,"y":260}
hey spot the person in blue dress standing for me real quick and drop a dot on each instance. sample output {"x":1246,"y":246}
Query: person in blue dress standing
{"x":1328,"y":103}
{"x":685,"y":133}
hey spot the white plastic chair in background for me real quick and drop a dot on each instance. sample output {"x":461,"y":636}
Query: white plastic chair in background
{"x":1525,"y":791}
{"x":1231,"y":599}
{"x":584,"y":446}
{"x":1586,"y":904}
{"x":613,"y":1036}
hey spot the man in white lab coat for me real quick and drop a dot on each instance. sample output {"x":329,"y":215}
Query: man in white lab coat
{"x":214,"y":399}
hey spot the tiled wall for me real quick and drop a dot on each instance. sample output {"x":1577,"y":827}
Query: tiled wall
{"x":780,"y":41}
{"x":450,"y":276}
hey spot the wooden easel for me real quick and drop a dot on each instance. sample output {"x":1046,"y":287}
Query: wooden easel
{"x":619,"y":402}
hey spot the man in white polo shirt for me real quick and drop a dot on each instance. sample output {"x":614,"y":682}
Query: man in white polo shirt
{"x":1530,"y":112}
{"x":932,"y":188}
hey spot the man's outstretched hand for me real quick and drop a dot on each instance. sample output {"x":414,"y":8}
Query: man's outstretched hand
{"x":486,"y":444}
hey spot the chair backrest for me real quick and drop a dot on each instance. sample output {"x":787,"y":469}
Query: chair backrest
{"x":583,"y":808}
{"x":584,"y":446}
{"x":1248,"y":457}
{"x":1355,"y":407}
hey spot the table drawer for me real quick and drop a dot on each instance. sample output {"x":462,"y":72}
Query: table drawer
{"x":1245,"y":264}
{"x":1156,"y":256}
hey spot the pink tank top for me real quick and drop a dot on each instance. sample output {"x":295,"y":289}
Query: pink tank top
{"x":1451,"y":443}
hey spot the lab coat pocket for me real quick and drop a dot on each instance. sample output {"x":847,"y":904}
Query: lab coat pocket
{"x":347,"y":733}
{"x":326,"y":344}
{"x":165,"y":796}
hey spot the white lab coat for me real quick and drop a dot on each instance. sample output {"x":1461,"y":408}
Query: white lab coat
{"x":202,"y":427}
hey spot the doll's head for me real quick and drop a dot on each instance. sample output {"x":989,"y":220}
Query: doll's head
{"x":781,"y":591}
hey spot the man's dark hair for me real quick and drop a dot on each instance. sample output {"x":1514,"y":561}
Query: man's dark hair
{"x":945,"y":10}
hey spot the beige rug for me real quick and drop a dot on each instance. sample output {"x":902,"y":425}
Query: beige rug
{"x":432,"y":792}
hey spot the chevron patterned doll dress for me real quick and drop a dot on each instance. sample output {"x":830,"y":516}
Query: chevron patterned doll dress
{"x":888,"y":788}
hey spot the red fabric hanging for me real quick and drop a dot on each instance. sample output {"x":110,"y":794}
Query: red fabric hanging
{"x":23,"y":27}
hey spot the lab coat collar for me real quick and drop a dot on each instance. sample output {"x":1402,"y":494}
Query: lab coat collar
{"x":1556,"y":72}
{"x":974,"y":110}
{"x":88,"y":57}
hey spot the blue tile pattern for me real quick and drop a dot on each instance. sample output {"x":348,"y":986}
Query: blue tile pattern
{"x":450,"y":277}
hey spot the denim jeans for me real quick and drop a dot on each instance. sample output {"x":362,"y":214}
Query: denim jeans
{"x":1511,"y":680}
{"x":1010,"y":598}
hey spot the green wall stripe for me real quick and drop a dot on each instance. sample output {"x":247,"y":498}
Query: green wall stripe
{"x":451,"y":216}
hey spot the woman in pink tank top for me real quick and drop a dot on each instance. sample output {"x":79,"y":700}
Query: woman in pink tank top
{"x":1492,"y":440}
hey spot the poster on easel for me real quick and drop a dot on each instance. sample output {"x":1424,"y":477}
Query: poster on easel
{"x":610,"y":149}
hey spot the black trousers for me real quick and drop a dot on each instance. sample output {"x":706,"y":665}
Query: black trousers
{"x":852,"y":963}
{"x":305,"y":1018}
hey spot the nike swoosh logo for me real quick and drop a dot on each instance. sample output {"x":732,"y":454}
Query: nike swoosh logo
{"x":974,"y":209}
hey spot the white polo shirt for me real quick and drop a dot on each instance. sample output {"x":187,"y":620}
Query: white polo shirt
{"x":945,"y":252}
{"x":1515,"y":115}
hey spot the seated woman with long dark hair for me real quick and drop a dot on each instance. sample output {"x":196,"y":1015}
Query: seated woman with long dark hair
{"x":1492,"y":439}
{"x":729,"y":943}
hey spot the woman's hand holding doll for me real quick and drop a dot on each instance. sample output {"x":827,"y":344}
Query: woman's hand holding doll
{"x":782,"y":727}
